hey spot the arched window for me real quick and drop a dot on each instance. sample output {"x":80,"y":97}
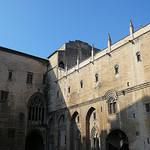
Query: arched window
{"x":61,"y":65}
{"x":138,"y":55}
{"x":116,"y":69}
{"x":36,"y":110}
{"x":112,"y":106}
{"x":81,"y":83}
{"x":96,"y":78}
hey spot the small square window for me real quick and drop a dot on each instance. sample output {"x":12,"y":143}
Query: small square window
{"x":4,"y":95}
{"x":10,"y":73}
{"x":29,"y":78}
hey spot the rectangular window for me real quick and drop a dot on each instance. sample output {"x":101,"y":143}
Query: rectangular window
{"x":4,"y":95}
{"x":11,"y":133}
{"x":29,"y":78}
{"x":68,"y":89}
{"x":147,"y":106}
{"x":10,"y":73}
{"x":94,"y":115}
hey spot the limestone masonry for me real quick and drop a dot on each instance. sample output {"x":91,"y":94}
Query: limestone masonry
{"x":79,"y":98}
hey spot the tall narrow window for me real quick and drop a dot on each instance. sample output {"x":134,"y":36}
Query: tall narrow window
{"x":10,"y":73}
{"x":116,"y":69}
{"x":81,"y":83}
{"x":138,"y":55}
{"x":69,"y":89}
{"x":94,"y":115}
{"x":96,"y":78}
{"x":29,"y":78}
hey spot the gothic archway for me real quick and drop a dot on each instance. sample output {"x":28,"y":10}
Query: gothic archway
{"x":117,"y":140}
{"x":75,"y":134}
{"x":89,"y":127}
{"x":34,"y":141}
{"x":95,"y":138}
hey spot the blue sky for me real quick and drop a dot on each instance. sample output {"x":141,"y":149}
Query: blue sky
{"x":39,"y":27}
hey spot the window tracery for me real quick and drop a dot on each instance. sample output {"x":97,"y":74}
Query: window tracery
{"x":36,"y":110}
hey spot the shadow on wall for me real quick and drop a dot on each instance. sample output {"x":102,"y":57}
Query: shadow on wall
{"x":127,"y":128}
{"x":63,"y":131}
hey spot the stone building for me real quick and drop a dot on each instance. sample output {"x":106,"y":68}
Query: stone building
{"x":79,"y":98}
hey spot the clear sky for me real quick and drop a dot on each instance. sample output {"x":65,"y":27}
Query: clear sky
{"x":39,"y":27}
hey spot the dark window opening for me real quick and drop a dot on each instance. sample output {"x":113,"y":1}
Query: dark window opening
{"x":147,"y":106}
{"x":138,"y":55}
{"x":29,"y":78}
{"x":10,"y":75}
{"x":11,"y":133}
{"x":116,"y":69}
{"x":81,"y":84}
{"x":69,"y":89}
{"x":4,"y":95}
{"x":61,"y":65}
{"x":101,"y":109}
{"x":78,"y":119}
{"x":128,"y":84}
{"x":148,"y":140}
{"x":96,"y":78}
{"x":94,"y":115}
{"x":133,"y":115}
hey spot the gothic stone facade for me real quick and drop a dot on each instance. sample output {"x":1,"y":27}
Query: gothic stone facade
{"x":79,"y":98}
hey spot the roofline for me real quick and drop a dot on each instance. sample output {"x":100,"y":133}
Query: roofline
{"x":4,"y":49}
{"x":52,"y":54}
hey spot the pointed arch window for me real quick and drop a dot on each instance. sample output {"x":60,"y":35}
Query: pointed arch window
{"x":61,"y":65}
{"x":81,"y":83}
{"x":112,"y":106}
{"x":36,"y":110}
{"x":96,"y":78}
{"x":116,"y":69}
{"x":138,"y":55}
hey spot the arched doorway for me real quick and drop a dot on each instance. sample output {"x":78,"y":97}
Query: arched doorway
{"x":75,"y":134}
{"x":94,"y":138}
{"x":117,"y":140}
{"x":92,"y":131}
{"x":34,"y":141}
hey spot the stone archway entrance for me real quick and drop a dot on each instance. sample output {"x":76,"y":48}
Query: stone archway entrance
{"x":34,"y":141}
{"x":117,"y":140}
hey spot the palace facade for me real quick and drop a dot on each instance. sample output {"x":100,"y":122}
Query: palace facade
{"x":79,"y":98}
